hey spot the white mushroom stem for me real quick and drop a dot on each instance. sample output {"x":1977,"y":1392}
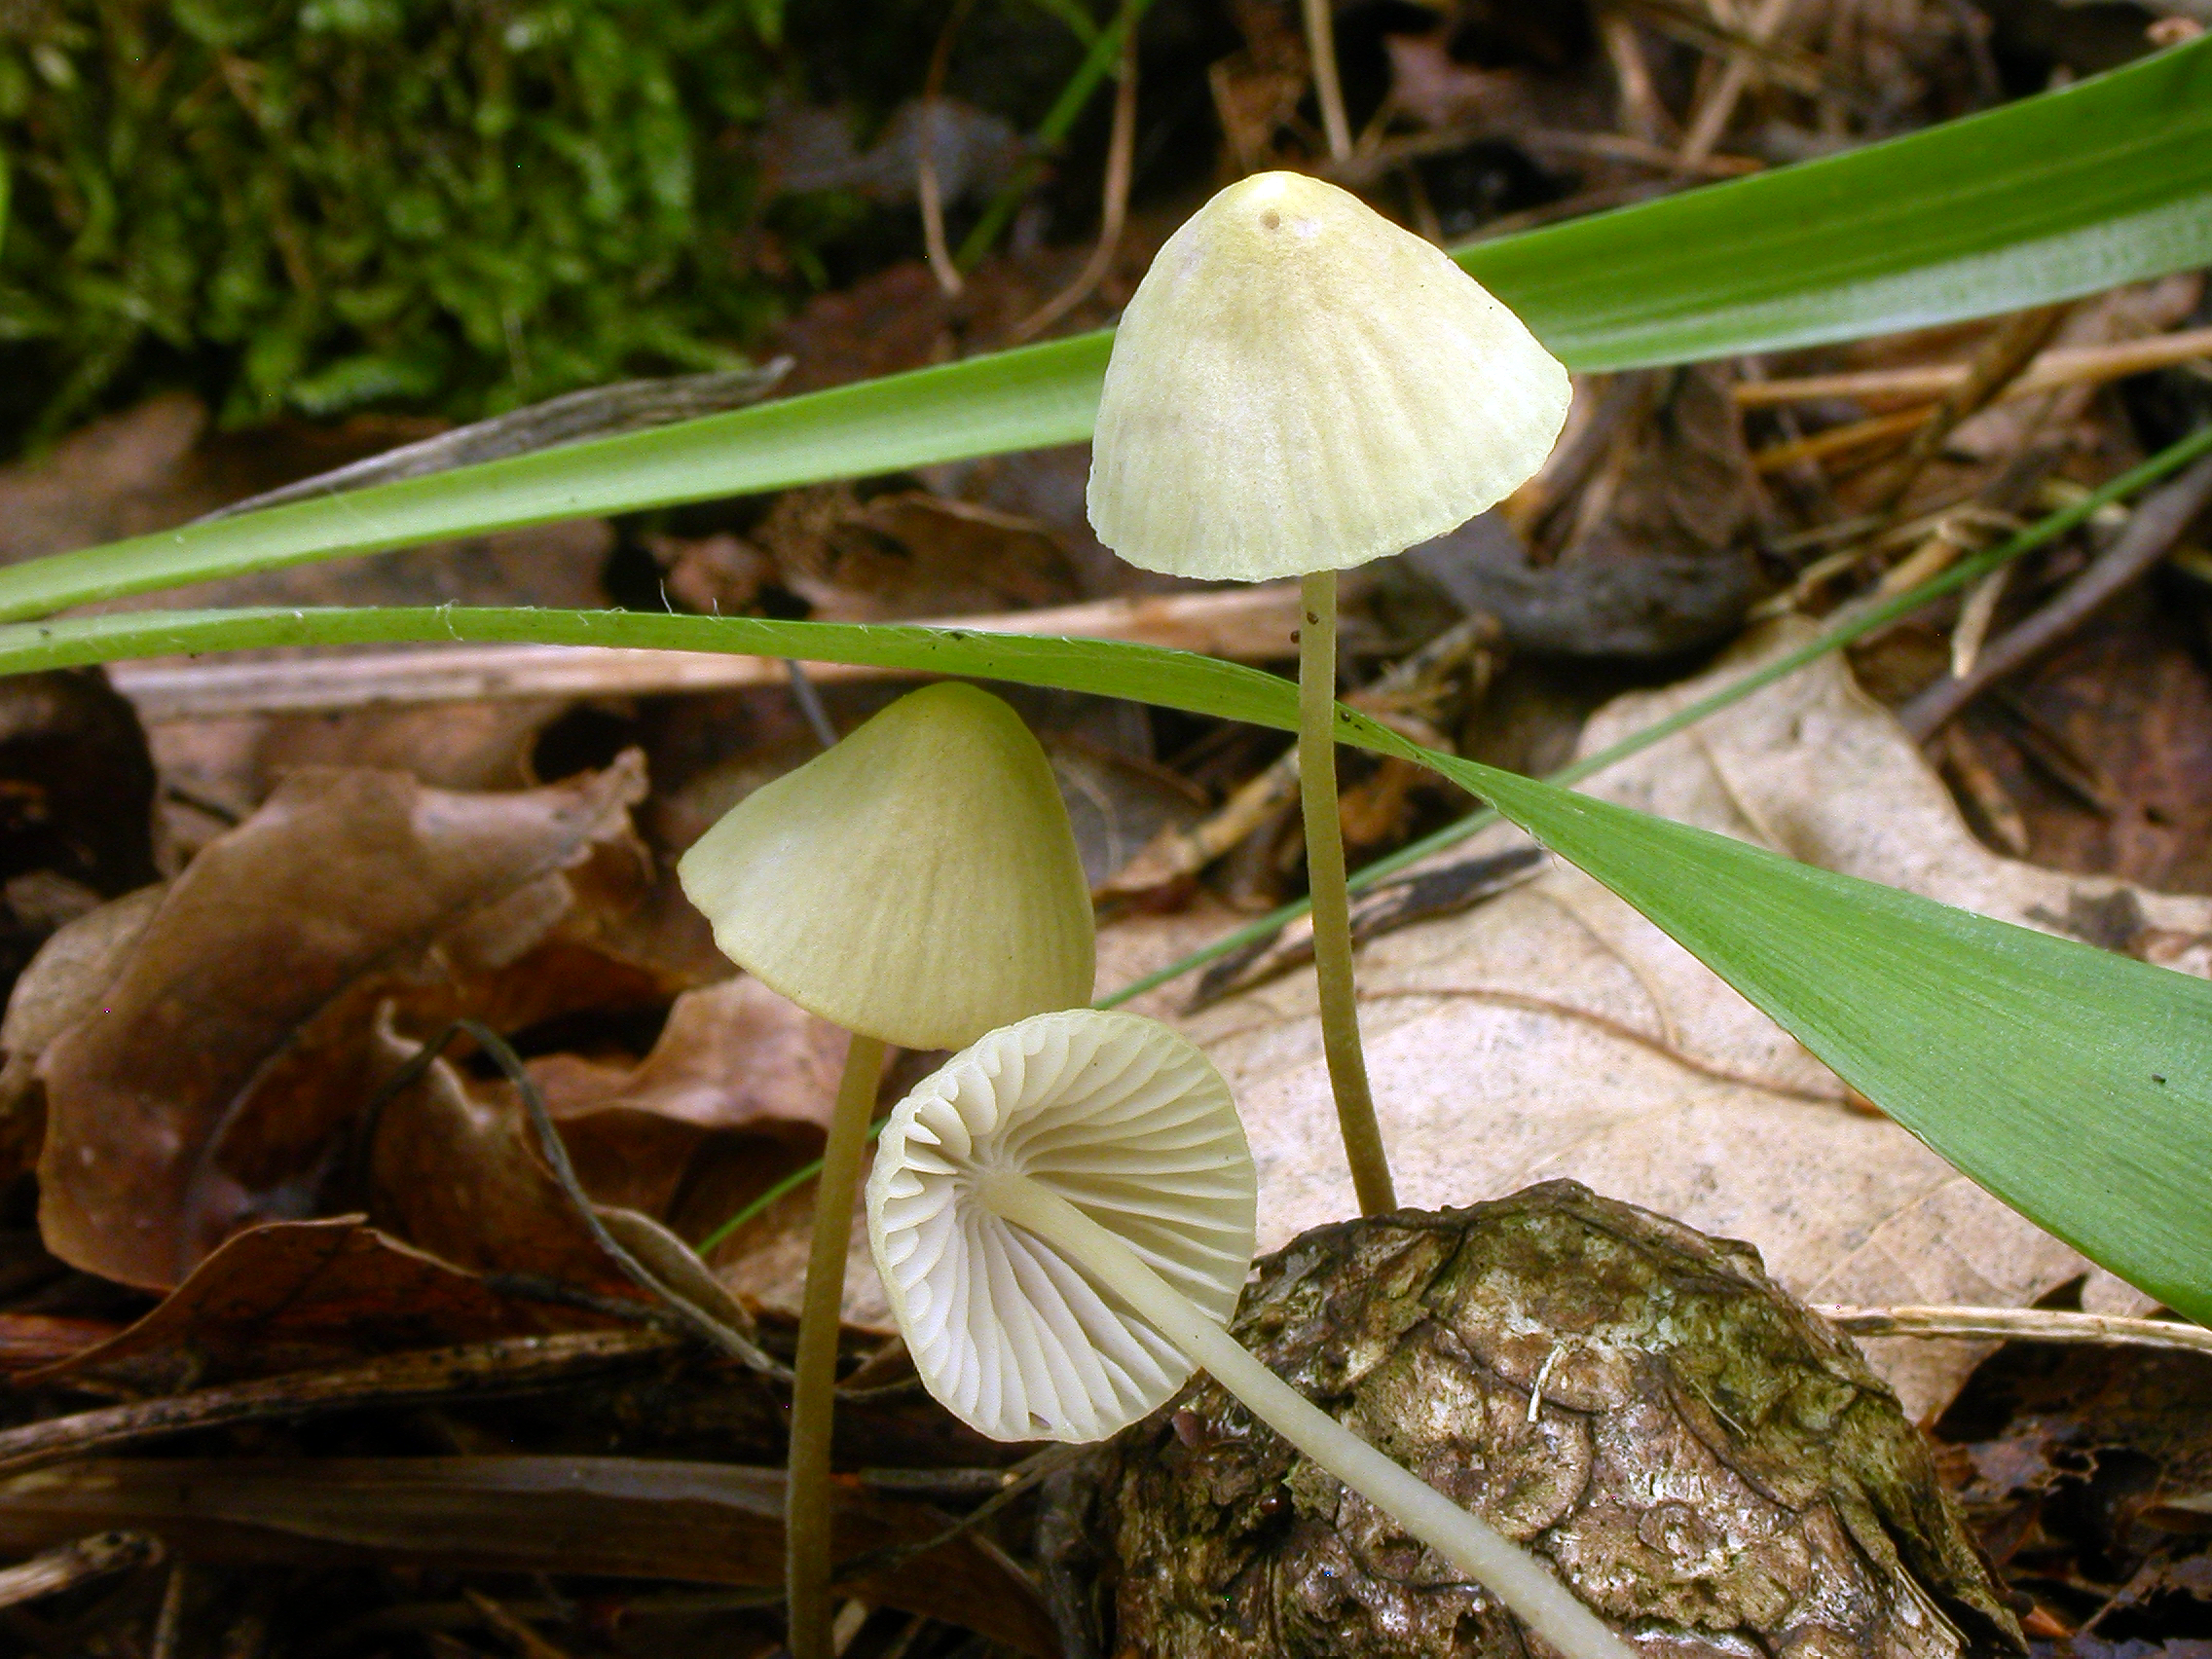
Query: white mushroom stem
{"x":814,"y":1378}
{"x":1332,"y":905}
{"x":1512,"y":1573}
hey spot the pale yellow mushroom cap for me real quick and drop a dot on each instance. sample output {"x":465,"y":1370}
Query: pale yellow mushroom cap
{"x":918,"y":883}
{"x":1297,"y":385}
{"x":1124,"y":1119}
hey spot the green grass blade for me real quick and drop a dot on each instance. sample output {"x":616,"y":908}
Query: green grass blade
{"x":1854,"y":624}
{"x":2105,"y":182}
{"x":1040,"y":394}
{"x":2074,"y":1084}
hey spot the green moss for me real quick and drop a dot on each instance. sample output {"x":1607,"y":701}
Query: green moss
{"x":459,"y":204}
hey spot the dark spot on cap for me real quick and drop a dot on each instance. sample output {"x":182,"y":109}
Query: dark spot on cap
{"x":1271,"y":219}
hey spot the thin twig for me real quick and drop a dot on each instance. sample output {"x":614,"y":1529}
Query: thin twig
{"x":701,"y":1322}
{"x":1642,"y":110}
{"x":2062,"y":366}
{"x":1019,"y":1480}
{"x":2020,"y":1324}
{"x":1328,"y":88}
{"x":509,"y":1628}
{"x":79,"y":1563}
{"x":1120,"y":155}
{"x":1097,"y":63}
{"x":1718,"y":106}
{"x":942,"y":265}
{"x":2156,"y":526}
{"x":168,"y":1622}
{"x":1370,"y":163}
{"x":2001,"y":361}
{"x":1839,"y":440}
{"x":512,"y":1366}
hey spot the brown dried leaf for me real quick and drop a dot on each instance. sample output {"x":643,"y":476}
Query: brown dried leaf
{"x":297,"y":1296}
{"x":733,"y":1097}
{"x":459,"y":1175}
{"x":206,"y":1092}
{"x":911,"y":554}
{"x":2104,"y":746}
{"x":735,"y":1094}
{"x":63,"y":984}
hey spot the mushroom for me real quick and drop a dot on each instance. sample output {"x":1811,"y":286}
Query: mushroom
{"x":917,"y":884}
{"x":1297,"y":387}
{"x":1062,"y":1217}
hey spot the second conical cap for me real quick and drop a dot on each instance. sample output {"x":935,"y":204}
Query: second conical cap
{"x":918,"y":882}
{"x":1298,"y":384}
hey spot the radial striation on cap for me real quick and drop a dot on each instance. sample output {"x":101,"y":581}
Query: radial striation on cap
{"x":1131,"y":1125}
{"x":918,"y":883}
{"x":1297,"y":385}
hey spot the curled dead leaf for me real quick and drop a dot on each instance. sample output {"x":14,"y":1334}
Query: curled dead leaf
{"x":735,"y":1094}
{"x":207,"y":1091}
{"x":295,"y":1296}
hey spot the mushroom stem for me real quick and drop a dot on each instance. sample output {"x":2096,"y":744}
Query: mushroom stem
{"x":1512,"y":1573}
{"x":1332,"y":908}
{"x":806,"y":1492}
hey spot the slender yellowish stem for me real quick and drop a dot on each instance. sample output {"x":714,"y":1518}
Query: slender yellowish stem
{"x":806,"y":1494}
{"x":1332,"y":908}
{"x":1512,"y":1573}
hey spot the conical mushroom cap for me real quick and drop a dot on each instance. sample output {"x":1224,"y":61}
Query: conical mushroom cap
{"x":917,"y":883}
{"x":1129,"y":1122}
{"x":1297,"y":385}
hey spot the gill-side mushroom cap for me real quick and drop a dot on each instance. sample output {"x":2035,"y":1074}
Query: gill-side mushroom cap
{"x":1131,"y":1125}
{"x":917,"y":883}
{"x":1297,"y":385}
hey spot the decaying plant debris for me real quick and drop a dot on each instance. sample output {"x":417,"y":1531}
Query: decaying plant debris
{"x":297,"y":1362}
{"x":1703,"y":1461}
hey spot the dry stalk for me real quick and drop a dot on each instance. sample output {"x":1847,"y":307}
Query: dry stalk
{"x":2020,"y":1324}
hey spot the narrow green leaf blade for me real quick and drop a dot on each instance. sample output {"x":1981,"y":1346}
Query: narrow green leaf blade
{"x":2074,"y":1084}
{"x":2105,"y":182}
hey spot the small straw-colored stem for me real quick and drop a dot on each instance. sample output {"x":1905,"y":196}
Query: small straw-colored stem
{"x":1510,"y":1572}
{"x":806,"y":1494}
{"x":1328,"y":90}
{"x":1332,"y":905}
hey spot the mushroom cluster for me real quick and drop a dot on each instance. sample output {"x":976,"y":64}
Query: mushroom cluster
{"x":1062,"y":1219}
{"x":1298,"y":386}
{"x":917,"y":884}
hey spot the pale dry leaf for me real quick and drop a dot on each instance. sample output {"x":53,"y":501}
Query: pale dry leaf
{"x":1554,"y":1032}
